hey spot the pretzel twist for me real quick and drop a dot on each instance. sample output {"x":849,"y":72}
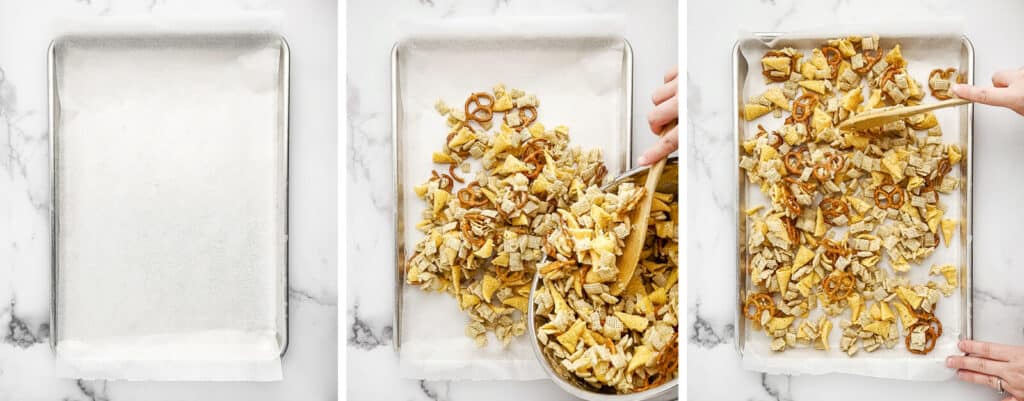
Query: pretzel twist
{"x":870,"y":59}
{"x":804,"y":106}
{"x":889,"y":196}
{"x":832,"y":208}
{"x":757,"y":304}
{"x":471,"y":196}
{"x":480,"y":112}
{"x":838,"y":285}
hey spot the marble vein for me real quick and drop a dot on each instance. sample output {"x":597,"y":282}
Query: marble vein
{"x":20,"y":334}
{"x":441,"y":392}
{"x":837,"y":5}
{"x":700,"y":153}
{"x":703,"y":334}
{"x":774,"y":392}
{"x":10,"y":118}
{"x":786,"y":14}
{"x":498,"y":4}
{"x":367,"y":143}
{"x":704,"y":154}
{"x":303,"y":296}
{"x":984,"y":295}
{"x":106,"y":8}
{"x":362,"y":336}
{"x":93,"y":391}
{"x":20,"y":144}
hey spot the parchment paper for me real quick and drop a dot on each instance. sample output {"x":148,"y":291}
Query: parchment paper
{"x":576,"y":69}
{"x":170,"y":247}
{"x":925,"y":46}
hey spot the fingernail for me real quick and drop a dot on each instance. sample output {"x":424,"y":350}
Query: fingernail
{"x":957,"y":88}
{"x":642,"y":161}
{"x":949,"y":362}
{"x":962,"y":345}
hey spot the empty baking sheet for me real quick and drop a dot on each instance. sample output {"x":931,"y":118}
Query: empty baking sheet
{"x":170,"y":172}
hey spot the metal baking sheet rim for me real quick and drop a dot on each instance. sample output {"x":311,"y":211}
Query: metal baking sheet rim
{"x":53,"y":112}
{"x":396,"y":175}
{"x":967,"y":170}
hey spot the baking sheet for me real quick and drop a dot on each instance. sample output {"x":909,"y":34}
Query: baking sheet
{"x":583,"y":82}
{"x":924,"y":52}
{"x":169,"y":160}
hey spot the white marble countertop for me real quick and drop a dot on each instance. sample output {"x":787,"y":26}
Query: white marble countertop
{"x":714,"y":366}
{"x":26,"y":361}
{"x":651,"y":28}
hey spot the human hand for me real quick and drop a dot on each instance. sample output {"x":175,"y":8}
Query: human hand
{"x":666,"y":109}
{"x":1007,"y":91}
{"x":995,"y":365}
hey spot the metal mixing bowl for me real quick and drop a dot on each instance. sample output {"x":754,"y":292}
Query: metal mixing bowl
{"x":669,"y":182}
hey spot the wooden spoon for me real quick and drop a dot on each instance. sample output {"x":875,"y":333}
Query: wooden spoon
{"x":883,"y":116}
{"x":635,"y":241}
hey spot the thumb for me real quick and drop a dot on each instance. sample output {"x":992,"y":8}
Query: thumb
{"x":988,"y":95}
{"x":667,"y":144}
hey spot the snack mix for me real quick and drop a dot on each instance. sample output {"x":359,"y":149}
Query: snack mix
{"x":849,"y":213}
{"x":535,"y":206}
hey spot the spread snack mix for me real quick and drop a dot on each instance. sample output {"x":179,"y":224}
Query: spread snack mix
{"x":849,"y":213}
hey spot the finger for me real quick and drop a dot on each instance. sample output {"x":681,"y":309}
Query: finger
{"x":980,"y":365}
{"x":667,"y":144}
{"x":665,"y":92}
{"x":997,"y":352}
{"x":978,"y":378}
{"x":990,"y":96}
{"x":1010,"y":398}
{"x":672,"y":74}
{"x":1002,"y":79}
{"x":663,"y":113}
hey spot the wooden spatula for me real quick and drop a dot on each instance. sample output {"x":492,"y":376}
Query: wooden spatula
{"x":635,"y":241}
{"x":881,"y":117}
